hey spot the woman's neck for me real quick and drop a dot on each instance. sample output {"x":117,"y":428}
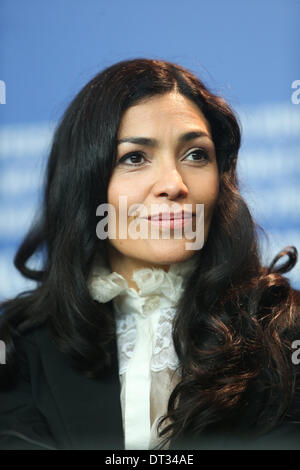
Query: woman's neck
{"x":125,"y":266}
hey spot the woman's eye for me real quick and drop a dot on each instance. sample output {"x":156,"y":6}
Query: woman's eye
{"x":200,"y":155}
{"x":134,"y":157}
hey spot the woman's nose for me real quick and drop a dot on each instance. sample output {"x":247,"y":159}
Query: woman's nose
{"x":169,"y":183}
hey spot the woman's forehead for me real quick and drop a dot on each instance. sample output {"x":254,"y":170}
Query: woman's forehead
{"x":162,"y":112}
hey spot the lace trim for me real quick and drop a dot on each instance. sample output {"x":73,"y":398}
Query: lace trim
{"x":126,"y":338}
{"x":163,"y":355}
{"x":105,"y":285}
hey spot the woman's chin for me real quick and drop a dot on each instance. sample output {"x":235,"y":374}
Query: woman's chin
{"x":163,"y":253}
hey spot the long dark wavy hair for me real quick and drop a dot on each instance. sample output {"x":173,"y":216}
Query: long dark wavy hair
{"x":236,"y":318}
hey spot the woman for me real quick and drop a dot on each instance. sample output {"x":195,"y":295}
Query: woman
{"x":148,"y":342}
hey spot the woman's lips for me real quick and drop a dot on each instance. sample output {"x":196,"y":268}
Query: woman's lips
{"x":171,"y":215}
{"x":170,"y":221}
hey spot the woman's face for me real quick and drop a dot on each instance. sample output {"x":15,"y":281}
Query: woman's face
{"x":161,"y":173}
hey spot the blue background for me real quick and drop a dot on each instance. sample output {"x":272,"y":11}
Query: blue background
{"x":248,"y":51}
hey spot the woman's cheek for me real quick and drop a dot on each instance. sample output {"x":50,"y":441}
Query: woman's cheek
{"x":123,"y":195}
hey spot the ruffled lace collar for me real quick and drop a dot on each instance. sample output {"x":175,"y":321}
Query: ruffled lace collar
{"x":147,"y":358}
{"x":156,"y":286}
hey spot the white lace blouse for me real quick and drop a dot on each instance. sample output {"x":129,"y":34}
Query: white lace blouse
{"x":148,"y":364}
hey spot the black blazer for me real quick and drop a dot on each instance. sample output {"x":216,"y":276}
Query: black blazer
{"x":55,"y":407}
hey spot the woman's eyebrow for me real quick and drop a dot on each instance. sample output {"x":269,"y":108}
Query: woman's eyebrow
{"x":153,"y":142}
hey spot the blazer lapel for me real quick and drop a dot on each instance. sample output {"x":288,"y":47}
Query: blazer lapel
{"x":85,"y":413}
